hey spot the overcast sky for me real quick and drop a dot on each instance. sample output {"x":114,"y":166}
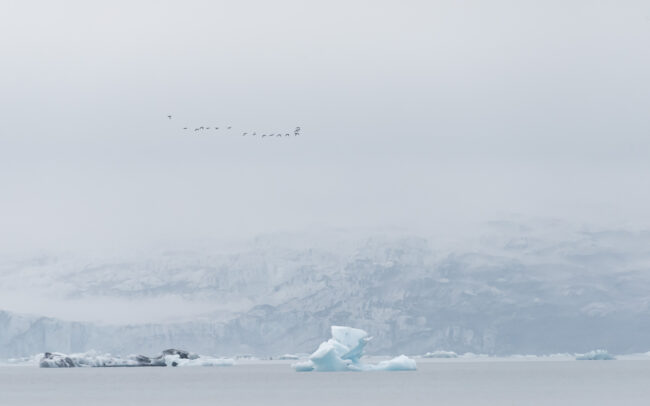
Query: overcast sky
{"x":413,"y":112}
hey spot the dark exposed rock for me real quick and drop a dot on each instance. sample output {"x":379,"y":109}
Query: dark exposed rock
{"x":143,"y":359}
{"x":182,"y":354}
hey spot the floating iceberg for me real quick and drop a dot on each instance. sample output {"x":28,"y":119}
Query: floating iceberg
{"x":88,"y":359}
{"x":401,"y":363}
{"x":171,"y":357}
{"x":472,"y":355}
{"x":343,"y":352}
{"x":596,"y":355}
{"x":289,"y":356}
{"x":248,"y":357}
{"x":440,"y":354}
{"x":305,"y":366}
{"x":176,"y":361}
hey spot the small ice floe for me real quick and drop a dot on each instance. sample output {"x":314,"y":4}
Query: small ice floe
{"x":22,"y":361}
{"x":176,"y":361}
{"x":471,"y":355}
{"x":401,"y":363}
{"x":440,"y":354}
{"x":248,"y":357}
{"x":289,"y":357}
{"x":596,"y":355}
{"x":343,"y":352}
{"x":171,"y":357}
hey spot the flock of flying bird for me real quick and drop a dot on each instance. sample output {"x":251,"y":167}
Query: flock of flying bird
{"x":296,"y":131}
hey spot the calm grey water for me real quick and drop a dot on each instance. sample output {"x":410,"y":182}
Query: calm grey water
{"x":443,"y":383}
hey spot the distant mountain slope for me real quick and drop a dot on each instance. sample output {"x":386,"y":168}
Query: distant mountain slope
{"x":511,"y":289}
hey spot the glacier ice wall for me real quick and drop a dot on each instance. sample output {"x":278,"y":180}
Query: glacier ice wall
{"x":514,"y":289}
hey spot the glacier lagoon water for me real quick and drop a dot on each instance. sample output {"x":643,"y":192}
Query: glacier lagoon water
{"x":444,"y":382}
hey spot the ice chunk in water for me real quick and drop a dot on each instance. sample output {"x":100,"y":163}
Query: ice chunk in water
{"x":288,"y":356}
{"x":329,"y":357}
{"x":596,"y":355}
{"x":171,"y":357}
{"x":343,"y":352}
{"x":401,"y":363}
{"x":304,"y":366}
{"x":177,"y":361}
{"x":440,"y":354}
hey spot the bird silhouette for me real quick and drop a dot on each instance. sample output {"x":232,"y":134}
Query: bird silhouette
{"x":170,"y":117}
{"x":244,"y":134}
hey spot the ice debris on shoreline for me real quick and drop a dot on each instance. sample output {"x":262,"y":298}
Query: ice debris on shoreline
{"x":596,"y":355}
{"x":170,"y":357}
{"x":343,"y":352}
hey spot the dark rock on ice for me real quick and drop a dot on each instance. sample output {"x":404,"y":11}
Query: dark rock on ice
{"x":169,"y":357}
{"x":181,"y":354}
{"x":56,"y":360}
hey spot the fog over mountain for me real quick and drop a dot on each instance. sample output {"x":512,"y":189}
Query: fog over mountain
{"x":514,"y":288}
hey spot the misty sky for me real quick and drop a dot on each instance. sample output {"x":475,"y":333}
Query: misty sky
{"x":413,"y":112}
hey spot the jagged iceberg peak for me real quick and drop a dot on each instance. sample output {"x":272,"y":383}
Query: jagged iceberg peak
{"x":171,"y":357}
{"x":351,"y":339}
{"x":343,"y":352}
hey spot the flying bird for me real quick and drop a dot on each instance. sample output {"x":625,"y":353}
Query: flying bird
{"x":170,"y":117}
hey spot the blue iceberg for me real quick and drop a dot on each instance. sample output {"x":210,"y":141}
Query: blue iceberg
{"x":596,"y":355}
{"x":343,"y":352}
